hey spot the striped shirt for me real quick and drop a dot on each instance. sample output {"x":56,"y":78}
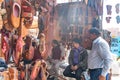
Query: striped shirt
{"x":100,"y":56}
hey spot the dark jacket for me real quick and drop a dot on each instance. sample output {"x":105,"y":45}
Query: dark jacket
{"x":56,"y":53}
{"x":83,"y":56}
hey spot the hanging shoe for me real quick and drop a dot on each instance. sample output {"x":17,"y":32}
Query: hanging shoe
{"x":16,"y":13}
{"x":27,"y":13}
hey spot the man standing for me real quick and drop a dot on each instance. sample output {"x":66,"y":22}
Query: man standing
{"x":99,"y":59}
{"x":77,"y":61}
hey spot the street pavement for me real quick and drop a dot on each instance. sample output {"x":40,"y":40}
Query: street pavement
{"x":116,"y":77}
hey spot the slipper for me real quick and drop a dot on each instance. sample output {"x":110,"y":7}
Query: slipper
{"x":16,"y":13}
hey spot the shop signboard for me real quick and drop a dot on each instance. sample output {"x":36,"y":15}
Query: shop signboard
{"x":115,"y":45}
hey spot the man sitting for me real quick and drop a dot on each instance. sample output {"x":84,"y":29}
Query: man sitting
{"x":77,"y":61}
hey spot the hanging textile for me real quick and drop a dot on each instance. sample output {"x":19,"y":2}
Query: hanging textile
{"x":118,"y":19}
{"x":117,"y":6}
{"x":109,"y":9}
{"x":96,"y":5}
{"x":108,"y":19}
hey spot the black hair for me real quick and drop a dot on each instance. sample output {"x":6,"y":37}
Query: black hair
{"x":95,"y":31}
{"x":56,"y":42}
{"x":76,"y":40}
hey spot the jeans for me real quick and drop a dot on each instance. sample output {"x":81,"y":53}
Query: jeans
{"x":108,"y":76}
{"x":95,"y":73}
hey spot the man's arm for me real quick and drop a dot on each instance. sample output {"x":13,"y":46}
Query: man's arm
{"x":83,"y":63}
{"x":105,"y":54}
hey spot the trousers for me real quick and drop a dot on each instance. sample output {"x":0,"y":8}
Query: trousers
{"x":95,"y":73}
{"x":73,"y":74}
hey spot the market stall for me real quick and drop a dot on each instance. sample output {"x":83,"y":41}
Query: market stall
{"x":29,"y":26}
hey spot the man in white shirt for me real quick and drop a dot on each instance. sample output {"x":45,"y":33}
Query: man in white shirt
{"x":99,"y":59}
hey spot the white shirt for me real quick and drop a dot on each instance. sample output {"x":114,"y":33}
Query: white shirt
{"x":100,"y":56}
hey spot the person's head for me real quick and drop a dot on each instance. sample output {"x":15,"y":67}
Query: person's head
{"x":55,"y":43}
{"x":76,"y":42}
{"x":94,"y":33}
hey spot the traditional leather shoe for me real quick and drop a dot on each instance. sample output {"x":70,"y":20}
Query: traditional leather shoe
{"x":7,"y":25}
{"x":27,"y":13}
{"x":16,"y":13}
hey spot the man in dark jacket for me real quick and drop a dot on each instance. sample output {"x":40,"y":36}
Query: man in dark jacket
{"x":77,"y":61}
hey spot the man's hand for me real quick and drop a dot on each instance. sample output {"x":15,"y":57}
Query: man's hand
{"x":101,"y":77}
